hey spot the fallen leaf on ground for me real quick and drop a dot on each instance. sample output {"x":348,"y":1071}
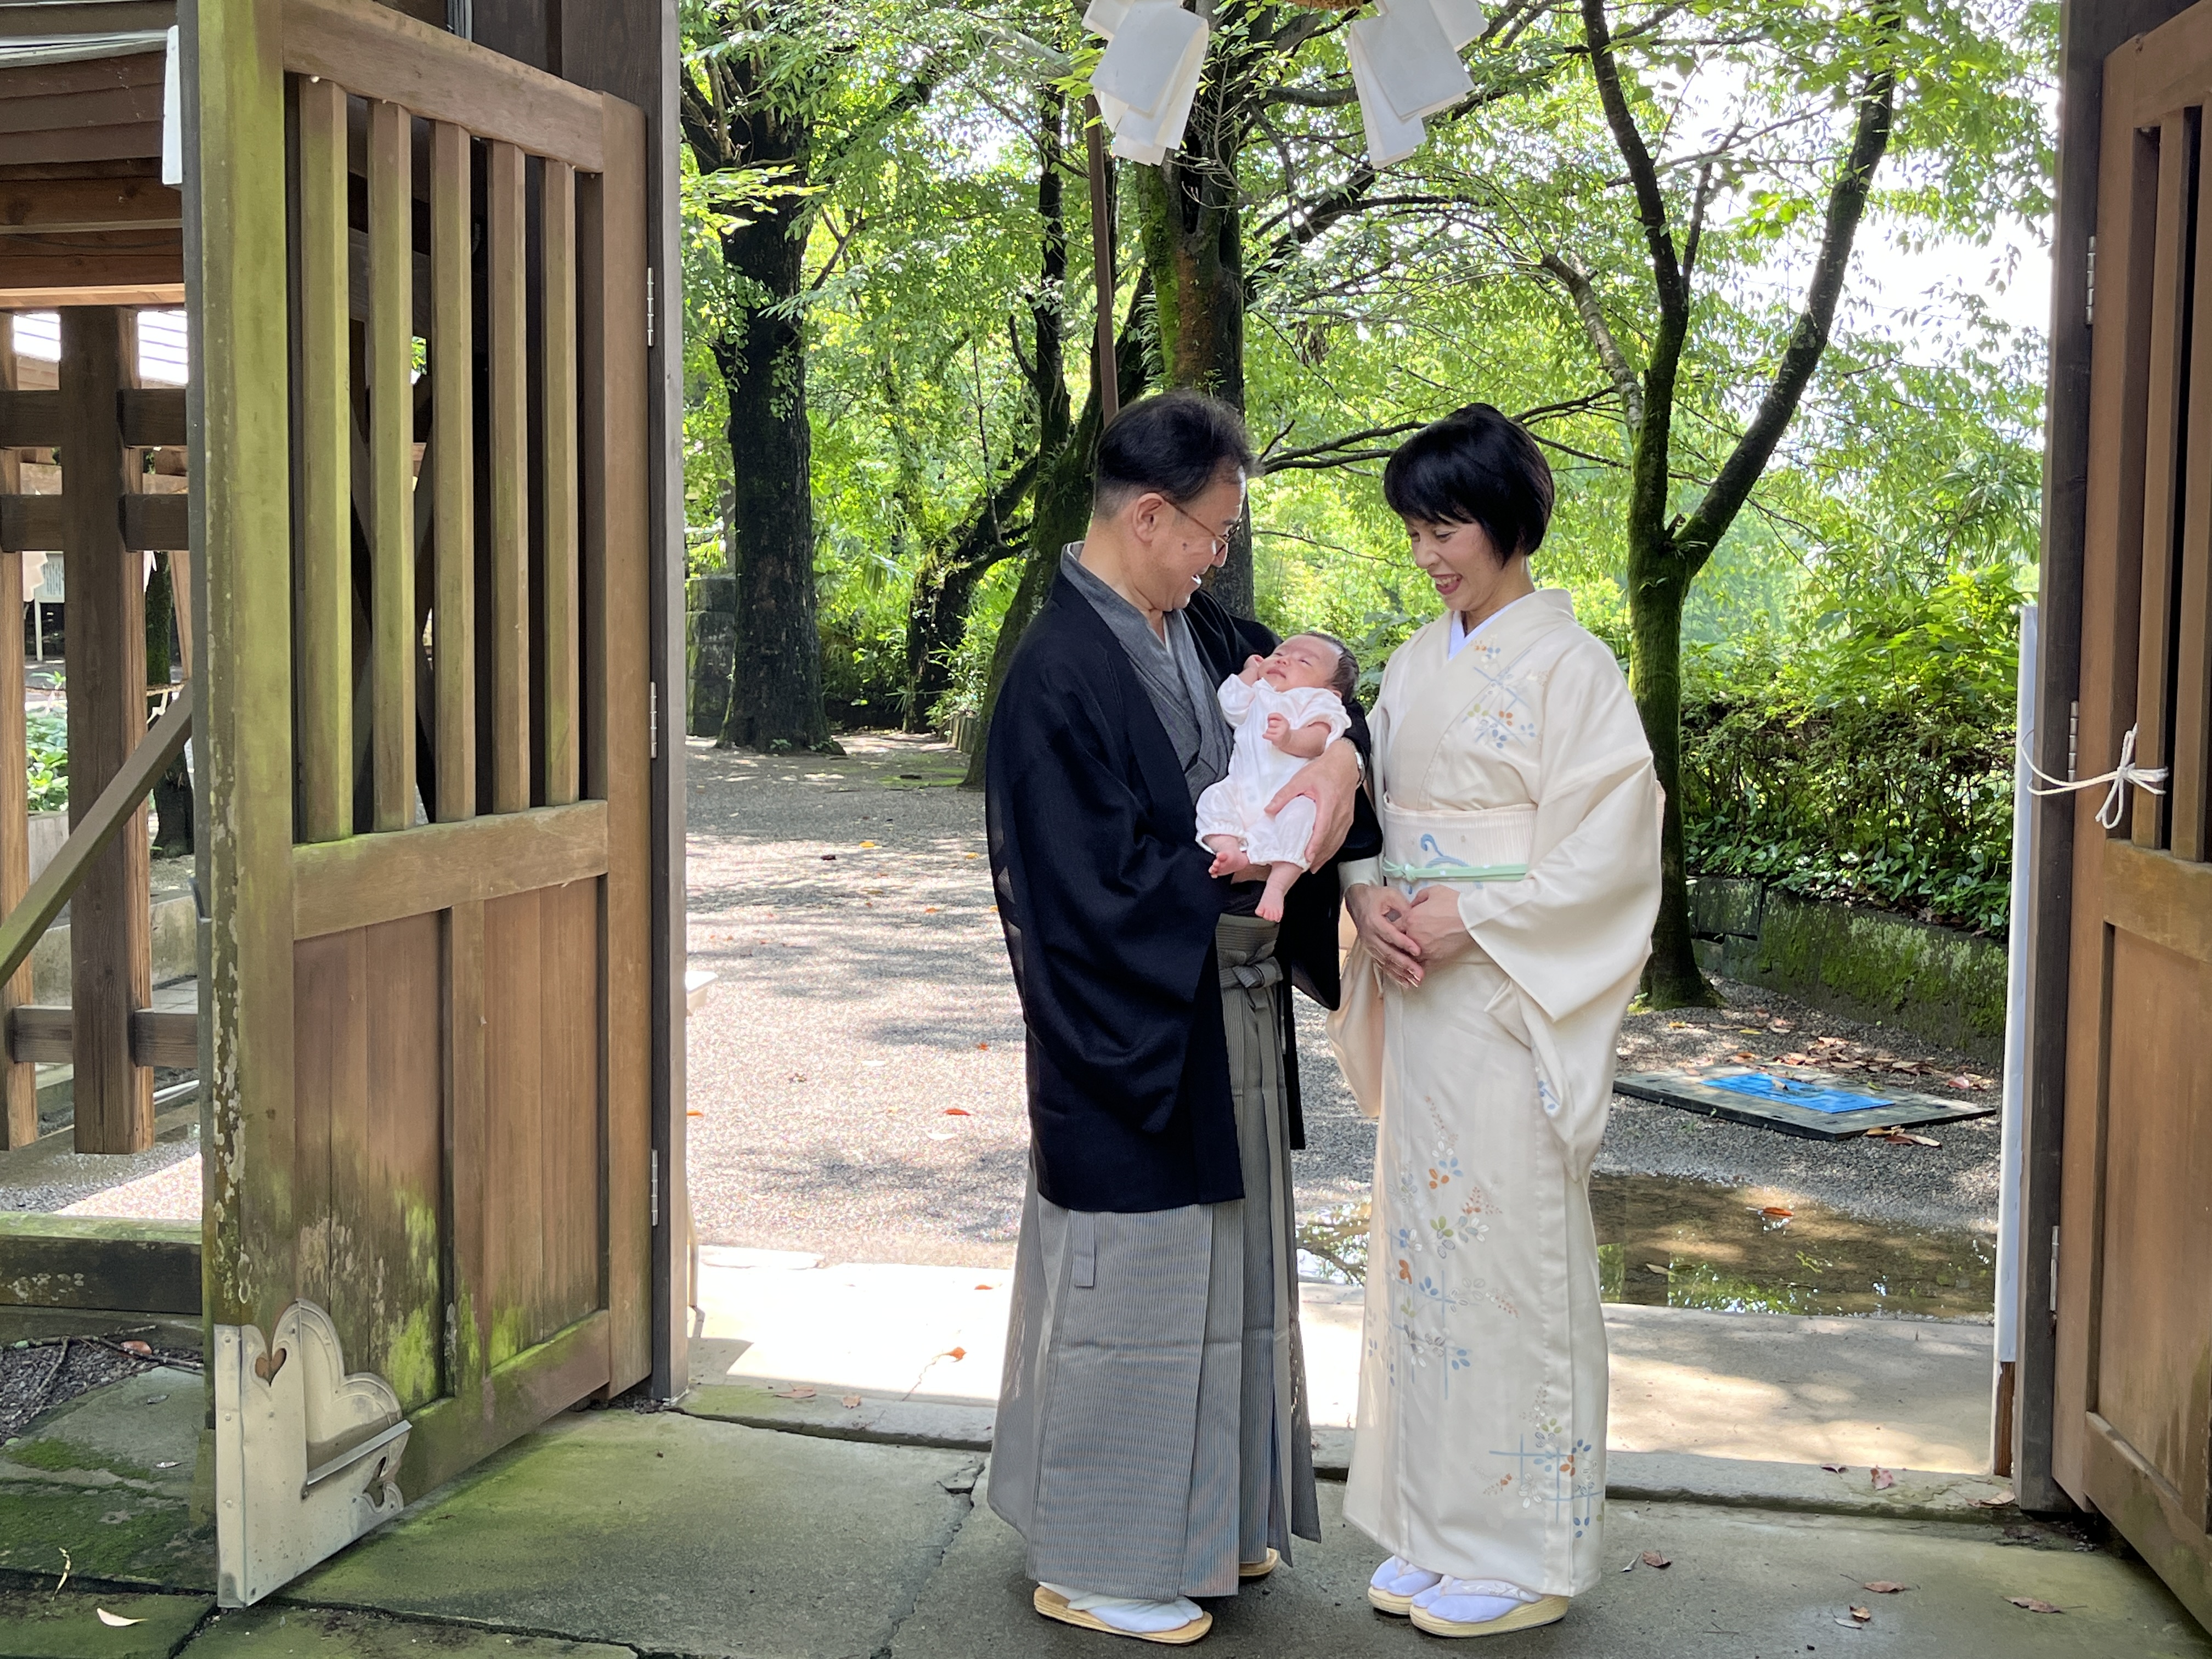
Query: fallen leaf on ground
{"x":1745,"y":1057}
{"x":940,"y":1134}
{"x":956,"y":1353}
{"x":115,"y":1619}
{"x":1904,"y":1065}
{"x":1631,"y":1567}
{"x":1999,"y":1501}
{"x":1832,"y":1043}
{"x":695,"y":1112}
{"x":2033,"y":1605}
{"x":1653,"y":1559}
{"x":867,"y":843}
{"x":1860,"y":1613}
{"x":829,"y":857}
{"x":983,"y":1045}
{"x":802,"y":1392}
{"x":135,"y":1346}
{"x":1837,"y":1468}
{"x":1883,"y":1479}
{"x":1796,"y":1060}
{"x":1676,"y":1025}
{"x":931,"y":909}
{"x":1776,"y":1212}
{"x":1659,"y":1268}
{"x":1781,"y":1025}
{"x":1850,"y":1624}
{"x":1963,"y":1082}
{"x":982,"y":1287}
{"x":1883,"y":1586}
{"x":852,"y":1400}
{"x":957,"y":1111}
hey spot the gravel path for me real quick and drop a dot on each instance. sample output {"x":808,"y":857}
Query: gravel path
{"x":856,"y":1074}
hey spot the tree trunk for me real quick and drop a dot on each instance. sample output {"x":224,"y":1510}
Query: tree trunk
{"x":944,"y":587}
{"x":775,"y":682}
{"x":1194,"y":243}
{"x":1672,"y":978}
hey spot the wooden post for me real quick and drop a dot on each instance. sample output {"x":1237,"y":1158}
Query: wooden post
{"x":19,"y":1088}
{"x":111,"y":922}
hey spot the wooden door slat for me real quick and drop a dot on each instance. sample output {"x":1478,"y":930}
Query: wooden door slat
{"x":19,"y":1097}
{"x":2164,"y":462}
{"x":560,"y":634}
{"x":323,"y":462}
{"x":468,"y":1174}
{"x":453,"y":444}
{"x":392,"y":455}
{"x":509,"y":482}
{"x":2188,"y":809}
{"x":371,"y":878}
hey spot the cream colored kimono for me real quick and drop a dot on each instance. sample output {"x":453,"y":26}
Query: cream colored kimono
{"x":1518,"y":773}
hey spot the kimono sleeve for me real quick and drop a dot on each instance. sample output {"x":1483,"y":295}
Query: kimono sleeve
{"x":1108,"y":908}
{"x":1236,"y":698}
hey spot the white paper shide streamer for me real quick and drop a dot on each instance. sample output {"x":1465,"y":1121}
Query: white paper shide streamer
{"x":1405,"y":66}
{"x":1148,"y":77}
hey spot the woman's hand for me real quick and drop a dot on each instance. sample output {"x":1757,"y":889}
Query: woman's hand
{"x":1379,"y":914}
{"x":1332,"y":783}
{"x":1433,"y":924}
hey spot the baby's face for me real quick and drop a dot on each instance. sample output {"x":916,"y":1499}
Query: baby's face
{"x":1300,"y":660}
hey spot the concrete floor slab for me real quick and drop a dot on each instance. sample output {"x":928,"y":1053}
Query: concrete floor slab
{"x":1910,"y":1394}
{"x":103,"y":1486}
{"x":291,"y":1632}
{"x":669,"y":1534}
{"x":1742,"y":1585}
{"x":42,"y":1623}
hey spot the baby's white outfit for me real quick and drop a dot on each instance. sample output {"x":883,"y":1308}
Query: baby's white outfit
{"x":1237,"y":805}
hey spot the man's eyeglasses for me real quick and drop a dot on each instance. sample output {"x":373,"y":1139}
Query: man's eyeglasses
{"x":1220,"y":544}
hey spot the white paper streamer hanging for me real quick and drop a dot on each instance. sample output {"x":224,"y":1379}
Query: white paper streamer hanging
{"x":1148,"y":78}
{"x":1405,"y":65}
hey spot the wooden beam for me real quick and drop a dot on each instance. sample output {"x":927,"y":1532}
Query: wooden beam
{"x":242,"y":475}
{"x":113,"y":106}
{"x":87,"y":1262}
{"x":154,"y":418}
{"x":19,"y":1091}
{"x":143,"y":524}
{"x":60,"y":296}
{"x":94,"y":17}
{"x":377,"y":53}
{"x":111,"y":932}
{"x":322,"y":573}
{"x":159,"y":1036}
{"x":133,"y":141}
{"x":57,"y":206}
{"x":366,"y":879}
{"x":23,"y":927}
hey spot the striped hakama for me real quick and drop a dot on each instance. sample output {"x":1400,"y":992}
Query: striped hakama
{"x":1152,"y":1429}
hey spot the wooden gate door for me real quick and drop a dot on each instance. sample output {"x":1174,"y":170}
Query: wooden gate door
{"x":419,"y":297}
{"x":2133,"y":1424}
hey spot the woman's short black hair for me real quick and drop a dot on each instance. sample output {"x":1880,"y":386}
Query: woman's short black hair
{"x":1474,"y":467}
{"x":1176,"y":443}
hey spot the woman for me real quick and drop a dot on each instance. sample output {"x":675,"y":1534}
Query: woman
{"x":1501,"y":936}
{"x":1152,"y":1442}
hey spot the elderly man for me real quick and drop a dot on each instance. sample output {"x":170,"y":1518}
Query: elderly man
{"x":1152,"y":1442}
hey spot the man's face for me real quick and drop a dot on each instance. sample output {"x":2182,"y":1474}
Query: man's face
{"x":1179,"y":544}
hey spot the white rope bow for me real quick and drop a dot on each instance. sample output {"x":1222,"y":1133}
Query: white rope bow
{"x":2149,"y":779}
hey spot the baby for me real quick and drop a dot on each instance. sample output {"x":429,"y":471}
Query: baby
{"x":1299,"y":697}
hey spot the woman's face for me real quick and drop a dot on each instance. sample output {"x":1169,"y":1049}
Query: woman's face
{"x":1461,"y":560}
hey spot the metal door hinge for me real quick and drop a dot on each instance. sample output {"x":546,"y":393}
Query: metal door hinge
{"x":654,"y":1201}
{"x":652,"y":718}
{"x":2054,"y":1270}
{"x":648,"y":307}
{"x":2090,"y":305}
{"x":2072,"y":737}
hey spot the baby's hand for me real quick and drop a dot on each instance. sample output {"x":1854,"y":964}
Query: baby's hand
{"x":1276,"y":729}
{"x":1252,"y":667}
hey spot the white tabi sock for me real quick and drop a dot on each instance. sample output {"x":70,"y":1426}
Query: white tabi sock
{"x":1473,"y":1600}
{"x":1399,"y":1576}
{"x":1137,"y":1618}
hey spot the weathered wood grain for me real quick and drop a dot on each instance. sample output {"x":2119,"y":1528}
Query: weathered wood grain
{"x":617,"y":571}
{"x":241,"y":468}
{"x":378,"y":53}
{"x":111,"y":933}
{"x":82,"y":1261}
{"x":452,"y":454}
{"x":323,"y":468}
{"x":515,"y":1122}
{"x":40,"y":524}
{"x":19,"y":1095}
{"x":505,"y":258}
{"x":468,"y":1174}
{"x":372,"y":878}
{"x":2166,"y":425}
{"x":558,"y":630}
{"x":395,"y":633}
{"x":57,"y":206}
